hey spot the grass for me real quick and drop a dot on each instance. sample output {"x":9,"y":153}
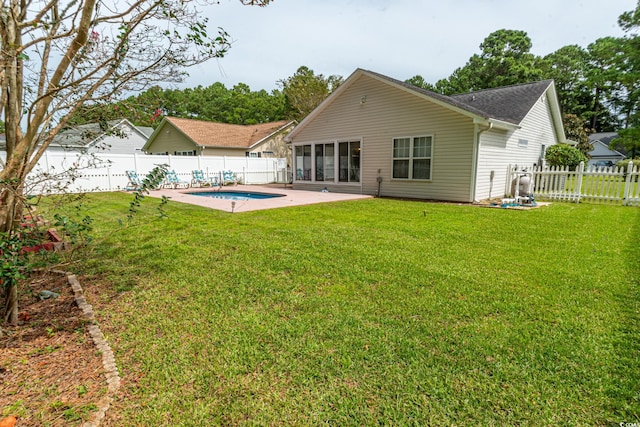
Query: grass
{"x":373,"y":312}
{"x":598,"y":187}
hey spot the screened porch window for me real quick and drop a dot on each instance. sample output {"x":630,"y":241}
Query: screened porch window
{"x":303,"y":163}
{"x":325,"y":163}
{"x":334,"y":161}
{"x":349,"y":161}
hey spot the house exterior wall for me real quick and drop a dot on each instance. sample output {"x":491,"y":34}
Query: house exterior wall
{"x":170,"y":140}
{"x":387,"y":113}
{"x":228,"y":152}
{"x":523,"y":147}
{"x":276,"y":144}
{"x":602,"y":152}
{"x":131,"y":143}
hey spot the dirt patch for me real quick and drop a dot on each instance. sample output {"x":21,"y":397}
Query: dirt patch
{"x":50,"y":370}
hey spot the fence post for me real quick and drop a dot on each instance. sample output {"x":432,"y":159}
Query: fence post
{"x":627,"y":184}
{"x":579,"y":174}
{"x":46,"y":161}
{"x":244,"y":170}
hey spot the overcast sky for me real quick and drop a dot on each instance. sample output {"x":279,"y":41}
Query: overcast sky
{"x":398,"y":38}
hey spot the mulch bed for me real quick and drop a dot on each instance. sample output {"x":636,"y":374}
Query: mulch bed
{"x":50,"y":371}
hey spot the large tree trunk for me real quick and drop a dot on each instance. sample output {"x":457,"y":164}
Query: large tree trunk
{"x":11,"y":210}
{"x":10,"y":303}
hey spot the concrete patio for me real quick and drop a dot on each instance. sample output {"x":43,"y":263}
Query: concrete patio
{"x":290,"y":197}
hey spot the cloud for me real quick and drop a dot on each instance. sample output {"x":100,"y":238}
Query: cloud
{"x":400,"y":38}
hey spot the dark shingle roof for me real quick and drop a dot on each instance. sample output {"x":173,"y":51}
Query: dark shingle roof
{"x":82,"y":135}
{"x":508,"y":103}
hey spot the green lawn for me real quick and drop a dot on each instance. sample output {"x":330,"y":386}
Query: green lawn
{"x":375,"y":312}
{"x":595,"y":187}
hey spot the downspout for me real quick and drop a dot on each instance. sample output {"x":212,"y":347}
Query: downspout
{"x":474,"y":164}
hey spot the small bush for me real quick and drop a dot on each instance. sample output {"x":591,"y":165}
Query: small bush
{"x":625,"y":163}
{"x":564,"y":155}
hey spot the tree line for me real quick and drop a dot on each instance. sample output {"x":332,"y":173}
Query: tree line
{"x":298,"y":96}
{"x":598,"y":88}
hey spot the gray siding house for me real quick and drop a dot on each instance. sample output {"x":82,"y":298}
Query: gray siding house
{"x":114,"y":137}
{"x":378,"y":135}
{"x":601,"y":151}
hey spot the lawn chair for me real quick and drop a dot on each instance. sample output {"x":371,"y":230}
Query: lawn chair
{"x":198,"y":180}
{"x":228,"y":177}
{"x":134,"y":181}
{"x":172,"y":181}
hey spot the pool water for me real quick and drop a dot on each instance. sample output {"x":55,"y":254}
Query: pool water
{"x":236,"y":195}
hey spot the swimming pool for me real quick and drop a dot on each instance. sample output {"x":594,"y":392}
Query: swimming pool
{"x":235,"y":195}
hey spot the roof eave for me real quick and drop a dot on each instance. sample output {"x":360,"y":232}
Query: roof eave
{"x":555,"y":112}
{"x":321,"y":107}
{"x":272,"y":134}
{"x":161,"y":126}
{"x":496,"y":124}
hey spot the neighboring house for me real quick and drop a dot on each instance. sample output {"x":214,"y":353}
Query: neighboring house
{"x":188,"y":137}
{"x":601,"y":151}
{"x":114,"y":137}
{"x":377,"y":135}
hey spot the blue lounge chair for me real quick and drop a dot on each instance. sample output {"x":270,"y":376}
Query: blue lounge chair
{"x":172,"y":181}
{"x":199,"y":180}
{"x":228,"y":177}
{"x":134,"y":181}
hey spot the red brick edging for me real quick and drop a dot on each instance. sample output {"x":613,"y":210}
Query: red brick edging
{"x":108,"y":359}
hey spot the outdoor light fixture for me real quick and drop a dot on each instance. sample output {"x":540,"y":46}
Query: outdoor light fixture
{"x":363,"y":99}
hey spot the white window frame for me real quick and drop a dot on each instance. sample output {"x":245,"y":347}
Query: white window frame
{"x":190,"y":153}
{"x":411,"y":157}
{"x":336,"y":161}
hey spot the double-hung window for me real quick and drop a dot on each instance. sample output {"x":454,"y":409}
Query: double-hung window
{"x":412,"y":157}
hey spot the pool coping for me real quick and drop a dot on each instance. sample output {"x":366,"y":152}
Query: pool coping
{"x":290,"y":197}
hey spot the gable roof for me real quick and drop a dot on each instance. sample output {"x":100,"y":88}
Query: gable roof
{"x":606,"y":138}
{"x":600,"y":149}
{"x":86,"y":135}
{"x":214,"y":134}
{"x":508,"y":103}
{"x":503,"y":107}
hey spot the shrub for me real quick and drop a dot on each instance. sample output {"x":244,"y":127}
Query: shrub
{"x":624,"y":163}
{"x":564,"y":155}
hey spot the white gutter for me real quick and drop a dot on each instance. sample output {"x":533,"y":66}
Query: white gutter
{"x":497,"y":124}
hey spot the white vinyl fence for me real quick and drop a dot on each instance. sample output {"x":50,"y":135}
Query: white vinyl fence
{"x":77,"y":172}
{"x":611,"y":185}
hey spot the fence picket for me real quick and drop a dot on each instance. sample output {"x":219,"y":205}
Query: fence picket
{"x":615,"y":185}
{"x":107,"y":172}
